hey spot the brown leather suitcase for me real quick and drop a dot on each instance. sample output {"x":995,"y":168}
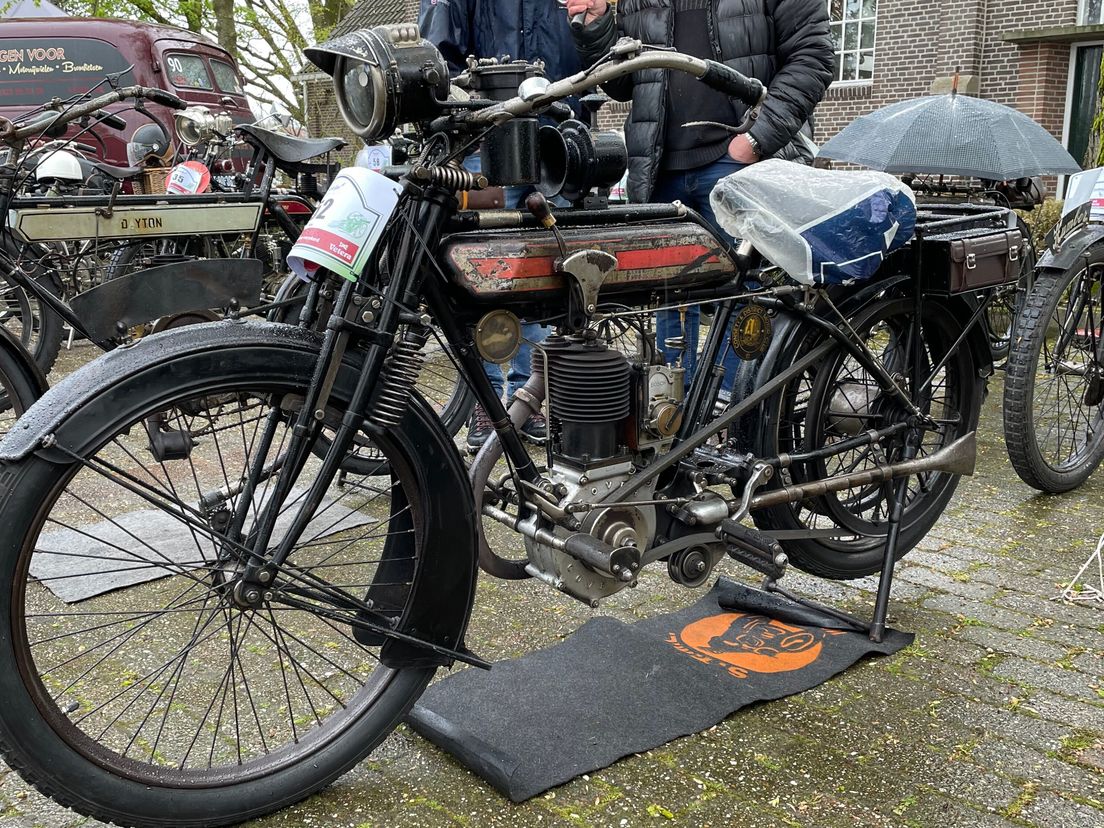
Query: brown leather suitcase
{"x":962,"y":262}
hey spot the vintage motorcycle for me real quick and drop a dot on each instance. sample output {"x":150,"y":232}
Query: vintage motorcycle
{"x":219,"y":633}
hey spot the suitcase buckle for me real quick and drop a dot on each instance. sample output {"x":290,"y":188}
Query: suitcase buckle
{"x":971,"y":261}
{"x":1014,"y":252}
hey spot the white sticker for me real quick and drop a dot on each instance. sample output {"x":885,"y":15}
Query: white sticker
{"x":188,"y":178}
{"x":374,"y":157}
{"x":347,"y":225}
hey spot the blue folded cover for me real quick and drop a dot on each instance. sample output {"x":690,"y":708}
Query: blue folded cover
{"x":852,"y":243}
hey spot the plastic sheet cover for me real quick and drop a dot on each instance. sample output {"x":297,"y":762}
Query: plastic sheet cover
{"x":820,"y":226}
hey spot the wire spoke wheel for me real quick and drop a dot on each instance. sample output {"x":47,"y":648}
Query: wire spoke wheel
{"x":139,"y":645}
{"x":839,"y":400}
{"x":1055,"y":384}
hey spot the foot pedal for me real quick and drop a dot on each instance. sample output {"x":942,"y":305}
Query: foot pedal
{"x":753,"y":548}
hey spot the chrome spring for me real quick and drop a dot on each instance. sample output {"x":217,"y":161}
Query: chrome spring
{"x":400,"y":375}
{"x":451,"y":176}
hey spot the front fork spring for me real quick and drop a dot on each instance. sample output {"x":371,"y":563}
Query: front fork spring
{"x":400,"y":375}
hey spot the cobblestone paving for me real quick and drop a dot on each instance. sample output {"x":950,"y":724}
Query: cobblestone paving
{"x":993,"y":718}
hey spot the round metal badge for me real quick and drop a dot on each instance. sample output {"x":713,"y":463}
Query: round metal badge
{"x":751,"y":332}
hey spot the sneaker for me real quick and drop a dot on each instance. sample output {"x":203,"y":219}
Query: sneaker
{"x":535,"y":428}
{"x":479,"y":429}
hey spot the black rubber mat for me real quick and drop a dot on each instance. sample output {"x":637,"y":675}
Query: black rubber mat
{"x":614,"y":689}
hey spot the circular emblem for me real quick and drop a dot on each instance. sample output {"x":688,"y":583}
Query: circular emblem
{"x":751,"y":332}
{"x":753,"y":643}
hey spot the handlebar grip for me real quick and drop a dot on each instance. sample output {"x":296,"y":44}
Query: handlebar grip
{"x":110,"y":120}
{"x":166,"y":98}
{"x":728,"y":80}
{"x":578,"y":22}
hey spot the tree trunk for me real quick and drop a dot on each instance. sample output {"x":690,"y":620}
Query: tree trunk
{"x":226,"y":29}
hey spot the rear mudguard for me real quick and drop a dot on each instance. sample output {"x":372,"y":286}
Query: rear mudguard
{"x":1072,"y":249}
{"x":789,"y":332}
{"x":166,"y":290}
{"x":32,"y":375}
{"x":80,"y":414}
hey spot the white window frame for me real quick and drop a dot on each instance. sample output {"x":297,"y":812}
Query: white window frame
{"x":1081,"y":21}
{"x":873,"y":51}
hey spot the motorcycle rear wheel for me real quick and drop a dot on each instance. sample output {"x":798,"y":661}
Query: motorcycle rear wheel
{"x":806,"y":415}
{"x":163,"y":702}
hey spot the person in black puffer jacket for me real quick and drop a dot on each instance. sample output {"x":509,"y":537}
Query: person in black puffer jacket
{"x":783,"y":43}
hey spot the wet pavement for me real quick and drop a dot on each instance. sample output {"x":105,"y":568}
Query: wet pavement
{"x":993,"y":717}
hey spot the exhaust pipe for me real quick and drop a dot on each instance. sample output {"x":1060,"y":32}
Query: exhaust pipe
{"x":960,"y":457}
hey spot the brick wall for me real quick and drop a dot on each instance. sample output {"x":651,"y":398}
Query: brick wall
{"x":918,"y":42}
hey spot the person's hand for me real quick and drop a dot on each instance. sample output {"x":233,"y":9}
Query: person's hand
{"x":739,"y":149}
{"x":593,"y":8}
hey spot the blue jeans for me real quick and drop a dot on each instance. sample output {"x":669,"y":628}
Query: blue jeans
{"x":518,"y":369}
{"x":692,"y":188}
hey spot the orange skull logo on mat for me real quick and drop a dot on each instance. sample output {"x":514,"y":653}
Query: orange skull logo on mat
{"x":748,"y":643}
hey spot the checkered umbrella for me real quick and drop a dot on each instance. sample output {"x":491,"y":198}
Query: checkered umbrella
{"x":951,"y":135}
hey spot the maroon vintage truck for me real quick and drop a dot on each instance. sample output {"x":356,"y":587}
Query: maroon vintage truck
{"x":44,"y":58}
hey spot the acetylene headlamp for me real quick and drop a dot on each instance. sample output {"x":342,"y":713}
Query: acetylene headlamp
{"x":383,"y":77}
{"x":197,"y":124}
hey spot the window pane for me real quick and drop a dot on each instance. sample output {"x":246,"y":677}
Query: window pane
{"x":226,"y":77}
{"x":188,"y":71}
{"x":867,"y":40}
{"x":850,"y":66}
{"x":33,"y":70}
{"x":851,"y":36}
{"x":869,"y":8}
{"x":866,"y":65}
{"x":837,"y":37}
{"x":853,"y":7}
{"x":835,"y":10}
{"x":836,"y":67}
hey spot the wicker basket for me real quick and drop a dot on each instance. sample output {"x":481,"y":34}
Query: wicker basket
{"x":152,"y":181}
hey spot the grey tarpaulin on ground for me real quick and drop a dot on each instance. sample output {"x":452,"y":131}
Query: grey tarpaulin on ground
{"x":144,"y":545}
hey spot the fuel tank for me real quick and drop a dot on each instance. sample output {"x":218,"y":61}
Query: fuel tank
{"x":520,"y":264}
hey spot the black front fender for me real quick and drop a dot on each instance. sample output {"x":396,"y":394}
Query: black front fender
{"x":166,"y":290}
{"x":115,"y":384}
{"x":1072,"y":249}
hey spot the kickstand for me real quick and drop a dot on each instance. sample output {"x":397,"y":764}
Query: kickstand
{"x":877,"y":626}
{"x":897,"y":496}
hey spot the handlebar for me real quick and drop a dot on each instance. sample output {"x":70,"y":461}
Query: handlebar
{"x":109,"y":120}
{"x":718,"y":76}
{"x":11,"y":134}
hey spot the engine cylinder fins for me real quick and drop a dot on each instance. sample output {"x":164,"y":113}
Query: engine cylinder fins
{"x":588,"y":382}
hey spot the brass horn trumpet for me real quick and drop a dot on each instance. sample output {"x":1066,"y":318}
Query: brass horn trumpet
{"x":959,"y":457}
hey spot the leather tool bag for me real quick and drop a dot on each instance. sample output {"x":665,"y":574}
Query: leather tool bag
{"x":962,"y":262}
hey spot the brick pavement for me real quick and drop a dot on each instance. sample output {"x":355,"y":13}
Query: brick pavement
{"x":994,"y":718}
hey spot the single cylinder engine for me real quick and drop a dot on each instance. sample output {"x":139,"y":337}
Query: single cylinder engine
{"x":590,"y":397}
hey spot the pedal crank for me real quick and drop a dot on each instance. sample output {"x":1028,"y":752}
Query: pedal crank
{"x":753,"y":549}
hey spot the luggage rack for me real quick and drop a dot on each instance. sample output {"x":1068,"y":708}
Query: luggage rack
{"x":963,"y":248}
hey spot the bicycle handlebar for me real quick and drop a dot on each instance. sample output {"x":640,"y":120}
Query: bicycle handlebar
{"x":11,"y":134}
{"x":716,"y":75}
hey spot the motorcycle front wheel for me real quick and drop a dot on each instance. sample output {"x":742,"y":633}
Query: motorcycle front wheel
{"x":1054,"y":383}
{"x":137,"y":687}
